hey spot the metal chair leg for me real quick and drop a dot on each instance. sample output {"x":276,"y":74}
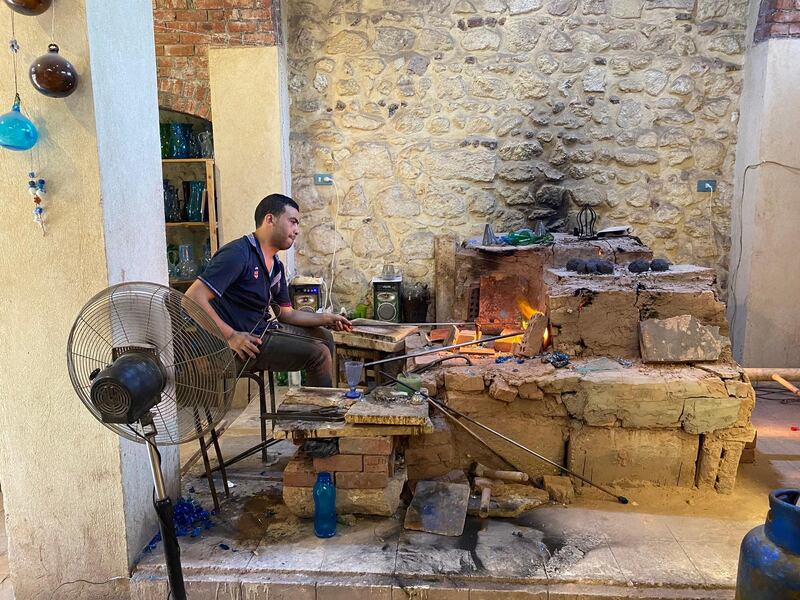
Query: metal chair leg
{"x":220,"y":462}
{"x":209,"y":476}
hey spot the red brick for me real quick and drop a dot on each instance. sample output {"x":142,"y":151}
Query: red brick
{"x":191,"y":15}
{"x":242,"y":26}
{"x":179,"y":50}
{"x":167,"y":38}
{"x":784,"y":4}
{"x":779,"y":29}
{"x":209,"y":3}
{"x":253,"y":13}
{"x":786,"y":16}
{"x":267,"y":39}
{"x":340,"y":462}
{"x":376,"y":464}
{"x":794,"y":29}
{"x":299,"y":473}
{"x":362,"y":481}
{"x":366,"y":445}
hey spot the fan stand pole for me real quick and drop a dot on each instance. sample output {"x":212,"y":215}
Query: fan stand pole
{"x":163,"y":504}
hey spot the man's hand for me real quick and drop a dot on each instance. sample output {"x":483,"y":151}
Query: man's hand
{"x":337,"y":322}
{"x":244,"y":344}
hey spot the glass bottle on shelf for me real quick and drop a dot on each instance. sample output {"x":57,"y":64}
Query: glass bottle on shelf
{"x":206,"y":260}
{"x":187,"y":267}
{"x":180,"y":140}
{"x":173,"y":259}
{"x":194,"y":200}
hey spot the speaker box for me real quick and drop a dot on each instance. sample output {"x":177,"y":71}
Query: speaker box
{"x":305,"y":293}
{"x":386,"y":299}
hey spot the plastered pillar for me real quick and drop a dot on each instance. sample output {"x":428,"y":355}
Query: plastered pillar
{"x":77,"y":499}
{"x":764,"y":286}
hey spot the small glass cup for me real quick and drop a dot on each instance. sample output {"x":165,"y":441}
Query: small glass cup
{"x":352,"y":372}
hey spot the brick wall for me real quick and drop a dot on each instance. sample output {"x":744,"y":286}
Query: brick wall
{"x":778,"y":18}
{"x":185,"y":29}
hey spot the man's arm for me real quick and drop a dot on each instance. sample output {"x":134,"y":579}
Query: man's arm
{"x":302,"y":318}
{"x":241,"y":342}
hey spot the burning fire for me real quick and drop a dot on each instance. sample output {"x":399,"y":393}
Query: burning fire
{"x":527,"y":312}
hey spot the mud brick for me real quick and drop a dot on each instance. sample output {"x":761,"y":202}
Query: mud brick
{"x":366,"y":445}
{"x":362,"y":481}
{"x":379,"y":464}
{"x":299,"y":473}
{"x":339,"y":462}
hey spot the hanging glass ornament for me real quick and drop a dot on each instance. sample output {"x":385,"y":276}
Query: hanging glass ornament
{"x":29,"y":8}
{"x":53,"y":75}
{"x":17,"y":132}
{"x":37,"y":190}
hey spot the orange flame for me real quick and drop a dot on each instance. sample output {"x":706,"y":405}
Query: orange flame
{"x":546,"y":337}
{"x":526,"y":309}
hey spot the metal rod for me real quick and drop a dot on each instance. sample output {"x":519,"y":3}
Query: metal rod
{"x":437,"y":404}
{"x":376,"y":323}
{"x":766,"y":374}
{"x":155,"y":466}
{"x":432,"y":350}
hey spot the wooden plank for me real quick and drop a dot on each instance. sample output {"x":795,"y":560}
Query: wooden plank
{"x":366,"y":342}
{"x":438,"y":507}
{"x":445,"y":268}
{"x":399,"y":412}
{"x":391,"y":332}
{"x":211,"y":192}
{"x":317,"y":397}
{"x":285,"y":430}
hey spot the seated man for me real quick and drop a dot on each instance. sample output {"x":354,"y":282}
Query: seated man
{"x":245,"y":277}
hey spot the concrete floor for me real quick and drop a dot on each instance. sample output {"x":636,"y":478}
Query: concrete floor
{"x":666,"y":545}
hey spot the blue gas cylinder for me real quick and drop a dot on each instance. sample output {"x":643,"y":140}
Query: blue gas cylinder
{"x":769,"y":560}
{"x":324,"y":506}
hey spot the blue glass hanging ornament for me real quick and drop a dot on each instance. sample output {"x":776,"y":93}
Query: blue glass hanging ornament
{"x":17,"y":132}
{"x":37,"y":190}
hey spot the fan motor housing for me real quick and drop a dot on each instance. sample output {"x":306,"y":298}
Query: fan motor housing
{"x":124,"y":391}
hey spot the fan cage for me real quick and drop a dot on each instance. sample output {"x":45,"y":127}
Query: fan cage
{"x":199,"y":365}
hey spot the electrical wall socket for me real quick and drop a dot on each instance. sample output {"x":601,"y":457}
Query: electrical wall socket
{"x":323,"y":179}
{"x":707,"y":185}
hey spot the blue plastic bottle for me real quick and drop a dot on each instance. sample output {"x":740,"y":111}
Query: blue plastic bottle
{"x":769,"y":560}
{"x":324,"y":506}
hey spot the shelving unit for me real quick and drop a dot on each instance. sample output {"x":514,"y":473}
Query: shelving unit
{"x":178,"y":170}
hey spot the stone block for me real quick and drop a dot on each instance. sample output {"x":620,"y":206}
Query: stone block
{"x":530,"y":391}
{"x":594,"y":322}
{"x":441,"y":435}
{"x":615,"y":455}
{"x":339,"y":462}
{"x":707,"y":414}
{"x":464,"y":379}
{"x":299,"y":472}
{"x":353,"y":591}
{"x":382,"y":502}
{"x":544,"y":435}
{"x":673,"y":300}
{"x":720,"y":453}
{"x":679,"y":339}
{"x":500,"y":390}
{"x":366,"y":445}
{"x":560,"y":488}
{"x":429,"y":454}
{"x":365,"y":481}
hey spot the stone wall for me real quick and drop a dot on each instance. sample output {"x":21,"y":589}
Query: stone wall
{"x":185,"y":29}
{"x":441,"y":115}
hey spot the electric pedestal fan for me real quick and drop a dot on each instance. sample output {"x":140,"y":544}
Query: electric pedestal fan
{"x":153,"y":367}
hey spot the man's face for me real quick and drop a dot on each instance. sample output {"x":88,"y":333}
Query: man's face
{"x":285,"y":228}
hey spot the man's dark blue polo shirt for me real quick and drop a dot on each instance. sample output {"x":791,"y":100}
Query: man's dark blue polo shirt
{"x":238,"y":277}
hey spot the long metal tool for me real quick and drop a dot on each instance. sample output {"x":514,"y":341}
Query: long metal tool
{"x":443,"y":408}
{"x":432,"y":350}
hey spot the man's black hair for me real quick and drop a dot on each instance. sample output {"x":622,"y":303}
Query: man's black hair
{"x":274,"y":204}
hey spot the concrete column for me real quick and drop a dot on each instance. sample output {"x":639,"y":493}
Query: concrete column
{"x":764,"y":286}
{"x":249,"y":107}
{"x":77,"y":499}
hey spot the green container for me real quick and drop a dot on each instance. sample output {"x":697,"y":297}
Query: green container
{"x":411,"y":380}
